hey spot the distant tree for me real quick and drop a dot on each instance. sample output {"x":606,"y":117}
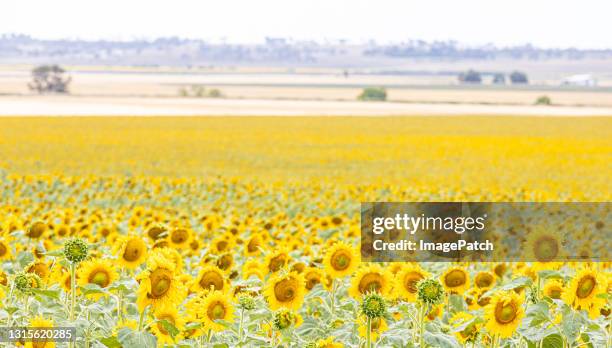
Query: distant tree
{"x":215,"y":93}
{"x":470,"y":76}
{"x":373,"y":94}
{"x":518,"y":77}
{"x":543,"y":100}
{"x":49,"y":79}
{"x":499,"y":79}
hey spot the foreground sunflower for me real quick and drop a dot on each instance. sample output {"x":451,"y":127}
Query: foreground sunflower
{"x":97,"y":271}
{"x":340,"y":260}
{"x":504,"y":313}
{"x":470,"y":330}
{"x":5,"y":247}
{"x":406,"y":280}
{"x":132,"y":252}
{"x":372,"y":278}
{"x":583,"y":289}
{"x":216,"y":306}
{"x":159,"y":284}
{"x":210,"y":278}
{"x":455,"y":280}
{"x":172,"y":316}
{"x":285,"y":290}
{"x":40,"y":322}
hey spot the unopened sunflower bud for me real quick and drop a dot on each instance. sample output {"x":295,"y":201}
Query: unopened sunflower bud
{"x":75,"y":250}
{"x":374,"y":306}
{"x":246,"y":302}
{"x":430,"y":291}
{"x":284,"y":319}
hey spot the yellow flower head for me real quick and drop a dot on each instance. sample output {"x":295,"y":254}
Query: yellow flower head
{"x":285,"y":290}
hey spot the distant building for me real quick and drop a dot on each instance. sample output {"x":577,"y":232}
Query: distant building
{"x":584,"y":80}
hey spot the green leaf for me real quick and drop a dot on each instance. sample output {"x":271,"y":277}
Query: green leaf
{"x":457,"y":304}
{"x":519,"y":282}
{"x":539,"y":313}
{"x":221,"y":345}
{"x":110,"y":342}
{"x":441,"y":340}
{"x":136,"y":339}
{"x":172,"y":330}
{"x":56,"y":252}
{"x":53,"y":294}
{"x":553,"y":341}
{"x":549,"y":274}
{"x":89,"y":289}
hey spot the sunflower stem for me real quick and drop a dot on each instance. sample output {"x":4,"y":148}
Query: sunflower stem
{"x":241,"y":324}
{"x":369,"y":333}
{"x":72,"y":295}
{"x":141,"y":318}
{"x":333,"y":297}
{"x":421,"y":325}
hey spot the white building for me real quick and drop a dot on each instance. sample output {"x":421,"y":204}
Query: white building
{"x":583,"y":80}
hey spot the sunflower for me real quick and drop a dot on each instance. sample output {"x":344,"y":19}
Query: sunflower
{"x":223,"y":243}
{"x":455,"y":280}
{"x":504,"y":313}
{"x":372,"y":278}
{"x":276,"y":260}
{"x":40,"y":268}
{"x":406,"y":279}
{"x":159,"y":284}
{"x":216,"y":306}
{"x":36,"y":230}
{"x":179,"y":238}
{"x":131,"y":251}
{"x":583,"y":289}
{"x":253,"y":268}
{"x":340,"y":260}
{"x":97,"y":271}
{"x":328,"y":343}
{"x":313,"y":276}
{"x":553,"y":289}
{"x":210,"y":278}
{"x":5,"y":247}
{"x":484,"y":280}
{"x":543,"y":245}
{"x":170,"y":315}
{"x":225,"y":262}
{"x":40,"y":322}
{"x":471,"y":328}
{"x":436,"y":311}
{"x":253,"y":245}
{"x":285,"y":290}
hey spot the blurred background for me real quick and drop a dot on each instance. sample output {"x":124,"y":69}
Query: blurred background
{"x":305,"y":57}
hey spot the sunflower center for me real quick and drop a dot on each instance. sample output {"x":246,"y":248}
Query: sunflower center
{"x":311,"y":281}
{"x":505,"y":313}
{"x":179,"y":236}
{"x":277,"y":262}
{"x":132,"y":251}
{"x":285,"y":290}
{"x":154,"y":232}
{"x":411,"y":280}
{"x":161,"y":280}
{"x":101,"y":278}
{"x":225,"y":261}
{"x":555,"y":293}
{"x":546,"y":248}
{"x":371,"y":282}
{"x":216,"y":311}
{"x":585,"y":287}
{"x":484,"y":280}
{"x":253,"y":245}
{"x":36,"y":230}
{"x":211,"y":279}
{"x":3,"y":249}
{"x":222,"y":245}
{"x":341,"y":260}
{"x":455,"y":278}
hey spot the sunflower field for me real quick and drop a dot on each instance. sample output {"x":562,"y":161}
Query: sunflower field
{"x":244,"y":231}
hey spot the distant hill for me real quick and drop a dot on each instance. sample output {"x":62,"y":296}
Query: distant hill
{"x":15,"y":48}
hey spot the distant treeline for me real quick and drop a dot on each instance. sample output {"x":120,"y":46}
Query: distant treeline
{"x":178,"y":51}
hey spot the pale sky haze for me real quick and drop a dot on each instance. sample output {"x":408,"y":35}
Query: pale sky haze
{"x":546,"y":23}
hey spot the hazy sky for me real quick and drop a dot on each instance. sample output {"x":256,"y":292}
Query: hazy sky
{"x":549,"y":23}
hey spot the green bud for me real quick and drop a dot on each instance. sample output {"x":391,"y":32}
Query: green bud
{"x":374,"y":306}
{"x":430,"y":291}
{"x":75,"y":250}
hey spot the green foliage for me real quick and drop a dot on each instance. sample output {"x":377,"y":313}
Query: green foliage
{"x":373,"y":94}
{"x":543,"y":100}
